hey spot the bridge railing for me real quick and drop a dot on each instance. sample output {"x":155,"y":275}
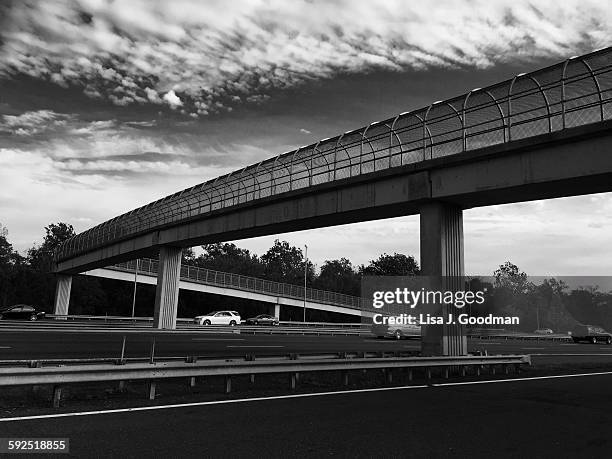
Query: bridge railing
{"x":246,"y":283}
{"x":572,"y":93}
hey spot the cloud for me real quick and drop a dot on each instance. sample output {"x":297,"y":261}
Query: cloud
{"x":31,"y":123}
{"x":172,"y":99}
{"x":217,"y":54}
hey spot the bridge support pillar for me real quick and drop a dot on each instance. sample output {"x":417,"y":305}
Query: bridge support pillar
{"x":276,"y":312}
{"x":166,"y":294}
{"x":62,"y":294}
{"x":443,"y":262}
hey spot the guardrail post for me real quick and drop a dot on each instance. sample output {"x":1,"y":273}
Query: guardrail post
{"x":294,"y":379}
{"x":463,"y":370}
{"x":428,"y":373}
{"x":445,"y":372}
{"x":57,"y":396}
{"x":345,"y":378}
{"x":192,"y":381}
{"x":252,"y":379}
{"x":122,"y":386}
{"x":152,"y":387}
{"x":409,"y":374}
{"x":152,"y":355}
{"x":228,"y":384}
{"x":389,"y":376}
{"x":122,"y":348}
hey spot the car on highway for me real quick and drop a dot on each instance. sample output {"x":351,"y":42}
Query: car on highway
{"x":21,"y":311}
{"x":219,"y":318}
{"x":397,"y":331}
{"x":263,"y":319}
{"x":591,"y":334}
{"x":544,"y":331}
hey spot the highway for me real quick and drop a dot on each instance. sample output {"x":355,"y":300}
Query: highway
{"x":92,"y":343}
{"x":540,"y":417}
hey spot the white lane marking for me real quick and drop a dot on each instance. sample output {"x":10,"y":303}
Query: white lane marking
{"x":566,"y":355}
{"x":249,"y":346}
{"x":218,"y":339}
{"x":216,"y":402}
{"x":532,"y":348}
{"x":6,"y":347}
{"x":532,"y":378}
{"x":284,"y":397}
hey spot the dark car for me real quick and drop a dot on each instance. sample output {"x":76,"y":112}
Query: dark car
{"x":591,"y":334}
{"x":21,"y":311}
{"x":262,"y":319}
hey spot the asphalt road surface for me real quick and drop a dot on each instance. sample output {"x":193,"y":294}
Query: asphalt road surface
{"x":552,"y":417}
{"x":50,"y":344}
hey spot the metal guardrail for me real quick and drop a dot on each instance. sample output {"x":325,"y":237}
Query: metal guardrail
{"x":142,"y":324}
{"x":192,"y":368}
{"x":523,"y":337}
{"x":245,"y":283}
{"x":144,"y":327}
{"x":190,"y":321}
{"x":572,"y":93}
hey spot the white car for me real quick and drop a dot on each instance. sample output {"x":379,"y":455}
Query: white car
{"x":544,"y":331}
{"x":219,"y":318}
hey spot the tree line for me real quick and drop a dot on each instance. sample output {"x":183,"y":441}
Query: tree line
{"x":26,"y":278}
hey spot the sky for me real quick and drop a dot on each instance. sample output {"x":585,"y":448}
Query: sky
{"x":108,"y":105}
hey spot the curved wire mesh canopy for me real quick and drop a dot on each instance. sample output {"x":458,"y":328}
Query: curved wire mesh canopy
{"x":572,"y":93}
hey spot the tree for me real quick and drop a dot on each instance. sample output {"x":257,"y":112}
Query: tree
{"x":509,"y":276}
{"x":285,"y":263}
{"x":9,"y":261}
{"x":188,"y":256}
{"x":230,"y":258}
{"x":41,"y":258}
{"x":392,"y":265}
{"x":339,"y":276}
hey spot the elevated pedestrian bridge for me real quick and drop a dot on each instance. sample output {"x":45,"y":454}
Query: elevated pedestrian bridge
{"x":451,"y":150}
{"x":538,"y":135}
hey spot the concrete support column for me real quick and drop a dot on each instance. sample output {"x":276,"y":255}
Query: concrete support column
{"x":442,"y":260}
{"x":276,"y":312}
{"x":166,"y":294}
{"x":62,"y":294}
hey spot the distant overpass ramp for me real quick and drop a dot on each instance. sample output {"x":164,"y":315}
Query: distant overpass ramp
{"x":228,"y":284}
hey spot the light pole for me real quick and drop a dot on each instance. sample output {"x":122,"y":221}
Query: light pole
{"x":305,"y":274}
{"x":135,"y":283}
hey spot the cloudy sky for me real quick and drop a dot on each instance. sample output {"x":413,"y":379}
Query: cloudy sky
{"x":108,"y":105}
